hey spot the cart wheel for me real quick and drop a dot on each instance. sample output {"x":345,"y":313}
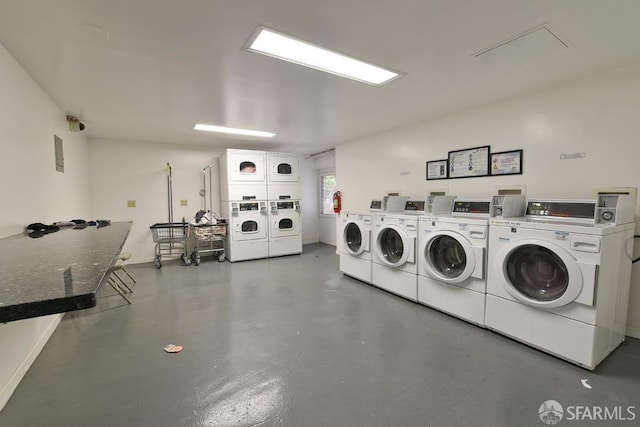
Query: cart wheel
{"x":221,"y":257}
{"x":158,"y":264}
{"x":185,"y":259}
{"x":197,"y":260}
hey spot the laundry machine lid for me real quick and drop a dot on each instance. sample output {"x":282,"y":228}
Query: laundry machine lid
{"x":394,"y":246}
{"x":540,"y":273}
{"x":355,"y":238}
{"x":449,"y":257}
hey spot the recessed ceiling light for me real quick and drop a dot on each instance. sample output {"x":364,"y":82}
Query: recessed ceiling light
{"x":235,"y":131}
{"x":281,"y":46}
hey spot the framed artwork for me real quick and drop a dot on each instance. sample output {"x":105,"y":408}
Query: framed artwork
{"x":469,"y":163}
{"x":437,"y":169}
{"x":506,"y":163}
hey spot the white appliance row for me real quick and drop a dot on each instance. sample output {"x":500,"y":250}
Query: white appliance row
{"x":261,"y":198}
{"x":555,"y":276}
{"x":261,"y":229}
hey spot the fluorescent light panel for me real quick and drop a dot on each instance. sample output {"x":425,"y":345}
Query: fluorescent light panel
{"x":234,"y":131}
{"x":277,"y":45}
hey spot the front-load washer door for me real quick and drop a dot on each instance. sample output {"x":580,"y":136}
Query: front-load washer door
{"x":394,"y":247}
{"x":355,"y":239}
{"x":449,"y":257}
{"x":542,"y":274}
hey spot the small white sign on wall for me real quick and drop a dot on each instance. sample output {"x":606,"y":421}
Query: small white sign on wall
{"x":571,"y":156}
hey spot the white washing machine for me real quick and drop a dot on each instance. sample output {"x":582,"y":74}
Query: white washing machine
{"x":558,"y":278}
{"x":394,"y":266}
{"x":247,"y":236}
{"x":285,"y":227}
{"x":355,"y":244}
{"x":452,"y":260}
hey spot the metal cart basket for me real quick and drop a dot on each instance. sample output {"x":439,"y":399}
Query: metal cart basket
{"x":207,"y":238}
{"x":170,"y":238}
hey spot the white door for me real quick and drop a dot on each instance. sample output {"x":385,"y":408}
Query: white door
{"x":355,"y":238}
{"x":246,"y":166}
{"x":449,"y":257}
{"x":394,"y":247}
{"x":249,"y":223}
{"x":283,"y":168}
{"x":284,"y":219}
{"x":285,"y":224}
{"x":542,"y":274}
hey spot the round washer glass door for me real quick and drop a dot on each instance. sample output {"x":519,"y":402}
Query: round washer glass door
{"x":449,"y":257}
{"x":537,"y":273}
{"x":353,"y":238}
{"x":391,"y":247}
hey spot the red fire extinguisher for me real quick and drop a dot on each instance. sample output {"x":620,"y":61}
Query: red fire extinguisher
{"x":337,"y":202}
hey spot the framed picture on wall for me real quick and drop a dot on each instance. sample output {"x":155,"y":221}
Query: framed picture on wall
{"x":469,"y":163}
{"x":506,"y":163}
{"x":437,"y":169}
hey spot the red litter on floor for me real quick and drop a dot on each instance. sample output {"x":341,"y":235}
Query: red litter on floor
{"x":171,"y":348}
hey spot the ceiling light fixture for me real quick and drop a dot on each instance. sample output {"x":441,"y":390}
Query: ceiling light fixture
{"x":234,"y":131}
{"x":281,"y":46}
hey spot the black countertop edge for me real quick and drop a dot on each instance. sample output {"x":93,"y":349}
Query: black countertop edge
{"x":105,"y":256}
{"x":47,"y":307}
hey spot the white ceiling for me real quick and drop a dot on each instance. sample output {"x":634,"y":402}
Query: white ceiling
{"x":148,"y":70}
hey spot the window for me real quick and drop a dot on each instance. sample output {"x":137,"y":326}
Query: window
{"x":327,"y":188}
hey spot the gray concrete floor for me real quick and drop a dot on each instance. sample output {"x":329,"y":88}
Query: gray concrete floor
{"x":291,"y":341}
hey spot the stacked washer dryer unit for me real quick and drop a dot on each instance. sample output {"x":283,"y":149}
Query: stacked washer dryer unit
{"x":394,"y":234}
{"x":243,"y":188}
{"x":559,"y":277}
{"x":355,"y":244}
{"x":452,"y":256}
{"x":284,"y":195}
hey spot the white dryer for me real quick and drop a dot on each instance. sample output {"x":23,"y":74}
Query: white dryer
{"x":243,"y":166}
{"x":282,"y":168}
{"x":283,"y":176}
{"x":243,"y":175}
{"x":452,"y":260}
{"x":285,"y":228}
{"x":247,"y":236}
{"x":355,"y":244}
{"x":394,"y":266}
{"x":558,"y":279}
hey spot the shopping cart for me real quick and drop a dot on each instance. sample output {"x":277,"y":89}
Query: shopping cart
{"x":170,"y":238}
{"x":207,"y":238}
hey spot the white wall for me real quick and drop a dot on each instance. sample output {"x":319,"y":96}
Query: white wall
{"x":128,"y":170}
{"x":326,"y":223}
{"x":597,"y":115}
{"x":32,"y":191}
{"x":310,"y":199}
